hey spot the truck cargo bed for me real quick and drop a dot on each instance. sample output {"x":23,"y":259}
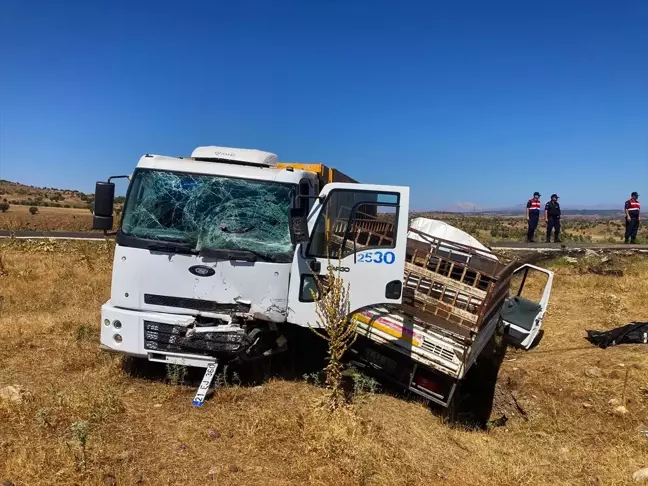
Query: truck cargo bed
{"x":452,"y":295}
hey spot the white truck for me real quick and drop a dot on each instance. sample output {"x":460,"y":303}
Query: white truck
{"x":216,"y":257}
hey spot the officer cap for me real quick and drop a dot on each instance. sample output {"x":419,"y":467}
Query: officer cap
{"x":536,"y":194}
{"x":554,"y":195}
{"x":635,"y":194}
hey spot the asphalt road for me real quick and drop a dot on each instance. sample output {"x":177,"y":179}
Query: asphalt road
{"x":511,"y":245}
{"x":515,"y":245}
{"x":61,"y":235}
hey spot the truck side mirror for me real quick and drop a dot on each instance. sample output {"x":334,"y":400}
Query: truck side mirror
{"x":298,"y":226}
{"x":103,"y":206}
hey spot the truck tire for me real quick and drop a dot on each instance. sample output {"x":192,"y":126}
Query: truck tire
{"x":142,"y":367}
{"x":472,"y":402}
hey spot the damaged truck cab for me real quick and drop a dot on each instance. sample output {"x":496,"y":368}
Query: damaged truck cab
{"x":205,"y":254}
{"x":216,"y":254}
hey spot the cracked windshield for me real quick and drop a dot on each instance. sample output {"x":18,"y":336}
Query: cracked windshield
{"x":207,"y":211}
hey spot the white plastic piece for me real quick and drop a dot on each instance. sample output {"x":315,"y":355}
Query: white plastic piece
{"x":440,"y":229}
{"x":248,"y":156}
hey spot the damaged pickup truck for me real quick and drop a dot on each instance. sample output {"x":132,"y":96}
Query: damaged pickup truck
{"x":217,"y":255}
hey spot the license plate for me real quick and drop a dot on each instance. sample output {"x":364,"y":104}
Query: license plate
{"x":380,"y":360}
{"x":205,"y":384}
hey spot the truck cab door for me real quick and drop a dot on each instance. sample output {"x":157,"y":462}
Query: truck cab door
{"x":522,"y":314}
{"x":363,"y":229}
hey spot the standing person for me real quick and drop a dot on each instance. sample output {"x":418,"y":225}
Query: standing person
{"x":632,"y":208}
{"x":552,"y":218}
{"x":533,"y":215}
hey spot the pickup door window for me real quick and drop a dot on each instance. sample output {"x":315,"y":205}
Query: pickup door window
{"x":362,"y":230}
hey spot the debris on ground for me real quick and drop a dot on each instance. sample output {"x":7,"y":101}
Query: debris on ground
{"x":633,"y":333}
{"x":620,"y":411}
{"x":594,"y":263}
{"x":520,"y":403}
{"x":641,"y":474}
{"x":498,"y":422}
{"x":110,"y":480}
{"x":125,"y":456}
{"x":587,"y":405}
{"x":593,"y":372}
{"x":13,"y":394}
{"x":614,"y":402}
{"x":608,"y":272}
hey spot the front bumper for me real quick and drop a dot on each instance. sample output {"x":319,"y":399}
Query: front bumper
{"x":124,"y":331}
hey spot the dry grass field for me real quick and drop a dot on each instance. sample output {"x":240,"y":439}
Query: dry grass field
{"x":486,"y":228}
{"x":84,"y":421}
{"x":18,"y":218}
{"x":491,"y":228}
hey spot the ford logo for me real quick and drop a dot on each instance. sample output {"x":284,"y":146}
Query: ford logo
{"x":202,"y":271}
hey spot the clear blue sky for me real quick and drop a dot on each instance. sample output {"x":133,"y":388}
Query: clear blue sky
{"x":482,"y":101}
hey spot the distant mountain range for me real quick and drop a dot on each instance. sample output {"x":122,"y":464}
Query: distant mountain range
{"x":468,"y":207}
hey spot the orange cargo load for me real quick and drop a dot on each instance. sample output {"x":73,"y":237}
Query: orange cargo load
{"x":326,"y":174}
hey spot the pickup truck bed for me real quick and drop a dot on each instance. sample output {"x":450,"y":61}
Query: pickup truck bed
{"x":452,"y":301}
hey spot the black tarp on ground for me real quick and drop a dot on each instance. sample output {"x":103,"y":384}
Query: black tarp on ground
{"x":633,"y":333}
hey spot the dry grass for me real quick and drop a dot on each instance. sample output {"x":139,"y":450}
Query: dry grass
{"x":47,"y":219}
{"x":147,"y":432}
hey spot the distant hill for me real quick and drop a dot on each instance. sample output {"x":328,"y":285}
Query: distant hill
{"x":463,"y":207}
{"x":600,"y":210}
{"x":21,"y":194}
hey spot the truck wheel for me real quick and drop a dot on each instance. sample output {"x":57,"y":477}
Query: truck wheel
{"x":472,"y":402}
{"x":141,"y":367}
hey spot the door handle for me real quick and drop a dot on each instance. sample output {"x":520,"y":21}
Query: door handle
{"x":394,"y":289}
{"x":315,"y":266}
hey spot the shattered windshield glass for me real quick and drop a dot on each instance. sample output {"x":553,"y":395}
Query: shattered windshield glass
{"x":209,"y":211}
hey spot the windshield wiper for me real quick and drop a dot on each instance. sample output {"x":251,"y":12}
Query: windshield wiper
{"x":170,"y":247}
{"x":237,"y":255}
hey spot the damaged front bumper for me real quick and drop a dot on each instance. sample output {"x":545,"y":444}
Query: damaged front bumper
{"x":169,"y":338}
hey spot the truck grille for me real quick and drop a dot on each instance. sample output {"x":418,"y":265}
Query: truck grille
{"x":196,"y":304}
{"x":444,"y":353}
{"x":167,"y":337}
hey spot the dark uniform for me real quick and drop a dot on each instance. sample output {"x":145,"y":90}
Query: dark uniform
{"x":632,"y":208}
{"x":552,"y":213}
{"x":533,"y":210}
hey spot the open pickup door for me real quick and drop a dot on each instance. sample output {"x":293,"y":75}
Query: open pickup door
{"x":366,"y":225}
{"x":522,"y":315}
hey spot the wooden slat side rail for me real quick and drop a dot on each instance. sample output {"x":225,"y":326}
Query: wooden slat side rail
{"x":443,"y":280}
{"x":458,"y":271}
{"x":444,"y":311}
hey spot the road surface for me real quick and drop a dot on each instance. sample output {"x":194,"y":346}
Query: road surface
{"x":501,"y":245}
{"x":567,"y":246}
{"x":59,"y":235}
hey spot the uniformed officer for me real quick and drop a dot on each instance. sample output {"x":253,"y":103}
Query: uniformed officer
{"x":632,"y":208}
{"x":552,"y":218}
{"x":533,"y":215}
